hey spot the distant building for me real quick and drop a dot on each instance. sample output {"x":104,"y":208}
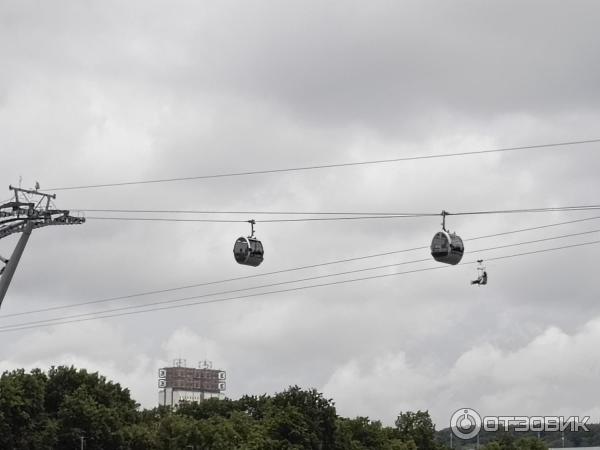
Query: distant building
{"x":179,"y":383}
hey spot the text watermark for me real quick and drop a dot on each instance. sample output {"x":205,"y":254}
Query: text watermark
{"x":466,"y":423}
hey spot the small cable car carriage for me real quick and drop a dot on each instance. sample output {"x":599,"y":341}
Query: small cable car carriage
{"x":447,"y":247}
{"x":249,"y":251}
{"x":482,"y":276}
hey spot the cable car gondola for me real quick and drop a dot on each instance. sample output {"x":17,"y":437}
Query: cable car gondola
{"x":447,"y":247}
{"x":248,"y":251}
{"x":482,"y":276}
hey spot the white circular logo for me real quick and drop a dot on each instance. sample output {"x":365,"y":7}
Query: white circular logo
{"x":465,"y":423}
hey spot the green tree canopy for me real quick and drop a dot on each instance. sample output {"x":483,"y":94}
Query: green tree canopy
{"x":417,"y":427}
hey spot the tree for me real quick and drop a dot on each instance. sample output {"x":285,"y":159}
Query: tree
{"x":64,"y":381}
{"x":508,"y":442}
{"x":362,"y":434}
{"x":206,"y":409}
{"x":45,"y":411}
{"x":417,"y":427}
{"x":531,"y":443}
{"x":318,"y":413}
{"x":54,"y":410}
{"x":140,"y":436}
{"x":24,"y":422}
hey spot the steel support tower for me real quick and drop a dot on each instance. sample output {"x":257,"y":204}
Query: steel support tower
{"x":29,"y":210}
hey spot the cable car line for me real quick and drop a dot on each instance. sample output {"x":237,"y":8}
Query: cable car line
{"x":246,"y":213}
{"x":329,"y":166}
{"x":232,"y":291}
{"x":307,"y":219}
{"x":167,"y":219}
{"x":527,"y":210}
{"x":356,"y":217}
{"x":240,"y":297}
{"x":276,"y":272}
{"x":227,"y":280}
{"x":330,"y":213}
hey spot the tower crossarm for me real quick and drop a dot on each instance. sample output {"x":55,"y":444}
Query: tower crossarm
{"x":29,"y":210}
{"x":33,"y":208}
{"x":16,"y":208}
{"x":10,"y":225}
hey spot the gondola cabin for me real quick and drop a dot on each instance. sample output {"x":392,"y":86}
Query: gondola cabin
{"x":248,"y":251}
{"x":447,"y":247}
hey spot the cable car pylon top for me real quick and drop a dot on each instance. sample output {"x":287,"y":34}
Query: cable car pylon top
{"x":29,"y":210}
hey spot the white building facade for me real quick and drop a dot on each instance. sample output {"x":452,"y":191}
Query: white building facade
{"x":180,"y":383}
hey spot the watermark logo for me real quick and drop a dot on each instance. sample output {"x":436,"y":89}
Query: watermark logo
{"x":466,"y":423}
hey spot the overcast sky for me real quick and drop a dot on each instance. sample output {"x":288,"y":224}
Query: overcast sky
{"x":106,"y":91}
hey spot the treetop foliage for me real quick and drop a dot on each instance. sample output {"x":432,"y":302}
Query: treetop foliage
{"x":55,"y":409}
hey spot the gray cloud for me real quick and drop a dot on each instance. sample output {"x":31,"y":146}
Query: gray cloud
{"x":101,"y":92}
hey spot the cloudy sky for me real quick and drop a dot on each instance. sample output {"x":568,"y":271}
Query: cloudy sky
{"x":105,"y":91}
